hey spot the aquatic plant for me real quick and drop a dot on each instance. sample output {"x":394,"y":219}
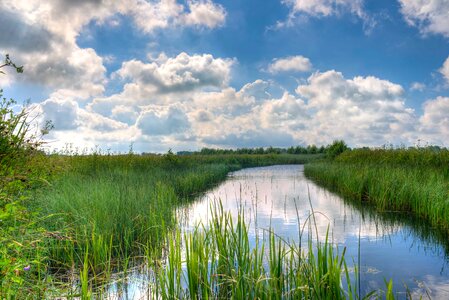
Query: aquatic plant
{"x":220,"y":263}
{"x":414,"y":180}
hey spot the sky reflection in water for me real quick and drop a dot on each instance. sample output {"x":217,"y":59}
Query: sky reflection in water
{"x":277,"y":196}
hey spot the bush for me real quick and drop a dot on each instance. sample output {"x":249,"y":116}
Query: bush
{"x":336,"y":148}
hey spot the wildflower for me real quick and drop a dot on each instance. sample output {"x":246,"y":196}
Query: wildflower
{"x":27,"y":268}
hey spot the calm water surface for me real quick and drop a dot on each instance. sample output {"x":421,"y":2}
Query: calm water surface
{"x":281,"y":198}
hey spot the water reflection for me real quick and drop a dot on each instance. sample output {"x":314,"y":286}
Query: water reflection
{"x":281,"y":198}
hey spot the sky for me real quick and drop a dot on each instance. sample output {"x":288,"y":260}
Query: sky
{"x":186,"y":74}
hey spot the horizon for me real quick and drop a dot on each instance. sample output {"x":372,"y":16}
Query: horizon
{"x":187,"y":75}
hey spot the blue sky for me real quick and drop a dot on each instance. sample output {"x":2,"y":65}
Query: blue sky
{"x":202,"y":73}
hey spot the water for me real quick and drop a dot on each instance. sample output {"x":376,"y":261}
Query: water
{"x":390,"y":246}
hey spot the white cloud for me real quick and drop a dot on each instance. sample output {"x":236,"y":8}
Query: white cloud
{"x":323,"y":7}
{"x":163,"y":81}
{"x":65,"y":114}
{"x":252,"y":138}
{"x":205,"y":13}
{"x":290,"y":64}
{"x":417,"y":86}
{"x":285,"y":113}
{"x":257,"y":89}
{"x":430,"y":16}
{"x":153,"y":15}
{"x":178,"y":74}
{"x":163,"y":120}
{"x":125,"y":114}
{"x":76,"y":126}
{"x":444,"y":70}
{"x":362,"y":110}
{"x":43,"y":35}
{"x":435,"y":121}
{"x":230,"y":102}
{"x":326,"y":8}
{"x":62,"y":113}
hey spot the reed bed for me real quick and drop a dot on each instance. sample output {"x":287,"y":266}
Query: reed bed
{"x":101,"y":214}
{"x":217,"y":262}
{"x":413,"y":181}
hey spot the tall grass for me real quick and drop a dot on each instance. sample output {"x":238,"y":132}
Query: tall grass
{"x":22,"y":168}
{"x":414,"y":181}
{"x":121,"y":207}
{"x":219,"y":263}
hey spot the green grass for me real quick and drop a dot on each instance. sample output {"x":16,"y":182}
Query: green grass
{"x":220,"y":263}
{"x":102,"y":214}
{"x":414,"y":181}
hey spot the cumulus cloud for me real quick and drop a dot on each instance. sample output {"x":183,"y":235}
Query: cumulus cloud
{"x":202,"y":116}
{"x":252,"y":138}
{"x":362,"y":110}
{"x":178,"y":74}
{"x":125,"y":114}
{"x":163,"y":120}
{"x":326,"y":8}
{"x":444,"y":70}
{"x":290,"y":64}
{"x":435,"y":120}
{"x":205,"y":13}
{"x":42,"y":35}
{"x":231,"y":102}
{"x":65,"y":114}
{"x":74,"y":125}
{"x":18,"y":33}
{"x":288,"y":112}
{"x":164,"y":81}
{"x":430,"y":16}
{"x":62,"y":113}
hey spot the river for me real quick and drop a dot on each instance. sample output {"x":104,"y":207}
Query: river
{"x":378,"y":246}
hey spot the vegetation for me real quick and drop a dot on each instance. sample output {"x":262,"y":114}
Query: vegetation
{"x":220,"y":264}
{"x":129,"y":200}
{"x":99,"y":213}
{"x":22,"y":169}
{"x":311,"y":149}
{"x":68,"y":222}
{"x":414,"y":180}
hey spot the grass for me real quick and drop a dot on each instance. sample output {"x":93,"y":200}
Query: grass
{"x":413,"y":181}
{"x":102,"y":214}
{"x":219,"y":263}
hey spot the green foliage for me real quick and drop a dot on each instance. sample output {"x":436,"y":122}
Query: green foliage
{"x":22,"y":168}
{"x":336,"y":148}
{"x":8,"y":63}
{"x":412,"y":180}
{"x":220,"y":263}
{"x":121,"y":207}
{"x":311,"y":149}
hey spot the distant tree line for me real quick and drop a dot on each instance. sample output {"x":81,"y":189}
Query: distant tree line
{"x":331,"y":150}
{"x":311,"y":149}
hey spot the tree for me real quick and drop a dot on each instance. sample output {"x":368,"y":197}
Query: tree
{"x":336,"y":148}
{"x":8,"y":63}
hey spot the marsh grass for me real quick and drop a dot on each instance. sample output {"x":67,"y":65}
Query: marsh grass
{"x":217,"y":262}
{"x":413,"y":181}
{"x":110,"y":213}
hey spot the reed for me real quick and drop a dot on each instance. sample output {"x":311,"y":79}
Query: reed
{"x":219,"y":263}
{"x":414,"y":181}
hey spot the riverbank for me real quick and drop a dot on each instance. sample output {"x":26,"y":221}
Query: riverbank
{"x":413,"y":181}
{"x":100,"y":212}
